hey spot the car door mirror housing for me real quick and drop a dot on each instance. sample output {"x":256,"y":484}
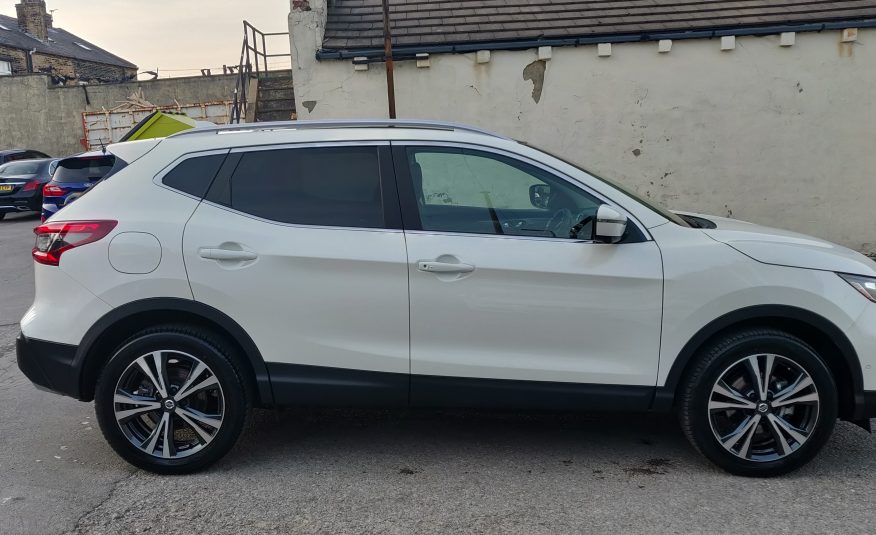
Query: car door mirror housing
{"x":540,"y":195}
{"x":610,"y":225}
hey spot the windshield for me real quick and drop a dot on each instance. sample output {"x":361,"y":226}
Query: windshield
{"x":644,"y":202}
{"x":84,"y":169}
{"x":20,"y":168}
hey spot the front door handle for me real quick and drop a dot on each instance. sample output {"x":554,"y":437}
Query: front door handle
{"x":430,"y":266}
{"x":212,"y":253}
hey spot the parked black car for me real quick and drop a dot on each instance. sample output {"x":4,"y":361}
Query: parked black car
{"x":20,"y":154}
{"x":21,"y":185}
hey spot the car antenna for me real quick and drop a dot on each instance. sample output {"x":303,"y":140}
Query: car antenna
{"x":102,"y":144}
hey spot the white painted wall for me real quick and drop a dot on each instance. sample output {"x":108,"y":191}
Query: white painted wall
{"x":784,"y":136}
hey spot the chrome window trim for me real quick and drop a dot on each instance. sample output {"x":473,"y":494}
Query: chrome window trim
{"x":529,"y":161}
{"x":298,"y":225}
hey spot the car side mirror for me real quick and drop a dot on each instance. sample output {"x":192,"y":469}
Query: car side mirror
{"x":610,"y":225}
{"x":540,"y":195}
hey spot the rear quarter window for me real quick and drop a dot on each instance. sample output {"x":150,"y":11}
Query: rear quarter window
{"x":194,"y":175}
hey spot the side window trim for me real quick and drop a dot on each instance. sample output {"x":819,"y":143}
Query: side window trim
{"x":410,"y":208}
{"x":218,"y":194}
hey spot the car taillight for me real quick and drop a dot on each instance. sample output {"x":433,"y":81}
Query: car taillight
{"x":53,"y":191}
{"x":32,"y":185}
{"x":53,"y":239}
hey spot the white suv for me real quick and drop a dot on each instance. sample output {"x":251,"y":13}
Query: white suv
{"x":422,"y":264}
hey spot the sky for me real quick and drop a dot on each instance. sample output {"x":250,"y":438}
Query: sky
{"x":177,"y":37}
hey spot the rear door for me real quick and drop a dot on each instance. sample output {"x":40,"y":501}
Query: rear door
{"x":302,"y":246}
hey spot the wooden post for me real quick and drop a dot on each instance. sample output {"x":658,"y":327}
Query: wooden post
{"x":387,"y":52}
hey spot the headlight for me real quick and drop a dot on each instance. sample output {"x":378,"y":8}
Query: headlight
{"x":865,"y":285}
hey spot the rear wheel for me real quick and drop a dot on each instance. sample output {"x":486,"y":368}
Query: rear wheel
{"x":2,"y":216}
{"x":759,"y":403}
{"x":171,"y":400}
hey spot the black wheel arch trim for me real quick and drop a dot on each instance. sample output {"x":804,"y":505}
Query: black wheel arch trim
{"x":158,"y":304}
{"x":666,"y":394}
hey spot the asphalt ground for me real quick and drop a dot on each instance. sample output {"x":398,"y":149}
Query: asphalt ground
{"x":400,"y":471}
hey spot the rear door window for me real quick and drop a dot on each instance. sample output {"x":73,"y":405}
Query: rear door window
{"x":83,"y":169}
{"x":322,"y":186}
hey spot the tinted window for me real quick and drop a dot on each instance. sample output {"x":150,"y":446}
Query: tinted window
{"x":194,"y":175}
{"x":460,"y":190}
{"x":83,"y":169}
{"x":338,"y":186}
{"x":24,"y":167}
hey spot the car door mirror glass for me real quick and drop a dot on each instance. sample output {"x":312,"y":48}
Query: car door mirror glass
{"x":610,"y":225}
{"x":540,"y":195}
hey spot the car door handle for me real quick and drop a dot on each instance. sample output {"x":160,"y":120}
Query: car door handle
{"x":443,"y":267}
{"x":226,"y":254}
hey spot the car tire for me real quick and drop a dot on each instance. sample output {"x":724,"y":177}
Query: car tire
{"x":2,"y":216}
{"x":172,"y":378}
{"x":758,"y":403}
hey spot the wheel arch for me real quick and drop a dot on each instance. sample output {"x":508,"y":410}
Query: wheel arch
{"x":824,"y":336}
{"x":122,"y":322}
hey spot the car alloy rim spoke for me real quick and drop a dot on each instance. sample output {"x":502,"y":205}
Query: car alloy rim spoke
{"x":152,"y":441}
{"x":215,"y":423}
{"x":739,"y":401}
{"x":204,"y":437}
{"x":143,"y":406}
{"x":740,"y":431}
{"x":144,"y":366}
{"x":193,"y":375}
{"x":802,"y":383}
{"x":763,"y":407}
{"x":156,"y":409}
{"x":806,"y":398}
{"x":797,"y":434}
{"x":746,"y":446}
{"x":182,"y":394}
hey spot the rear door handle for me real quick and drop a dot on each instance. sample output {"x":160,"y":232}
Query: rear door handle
{"x":443,"y":267}
{"x":226,"y":254}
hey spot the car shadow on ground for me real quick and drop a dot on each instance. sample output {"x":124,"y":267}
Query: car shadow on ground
{"x":417,"y":440}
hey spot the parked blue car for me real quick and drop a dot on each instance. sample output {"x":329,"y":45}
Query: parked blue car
{"x":73,"y":177}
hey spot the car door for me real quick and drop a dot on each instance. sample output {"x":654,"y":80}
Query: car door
{"x":302,"y":246}
{"x":512,"y":304}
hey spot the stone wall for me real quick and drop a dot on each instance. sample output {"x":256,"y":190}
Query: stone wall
{"x":36,"y":115}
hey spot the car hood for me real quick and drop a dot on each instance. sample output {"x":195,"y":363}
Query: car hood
{"x":786,"y":248}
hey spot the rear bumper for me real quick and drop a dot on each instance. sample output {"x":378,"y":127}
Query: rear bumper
{"x":49,"y":365}
{"x":21,"y":202}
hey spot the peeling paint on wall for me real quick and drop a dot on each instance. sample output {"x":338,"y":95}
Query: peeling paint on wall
{"x":534,"y":72}
{"x":309,"y":104}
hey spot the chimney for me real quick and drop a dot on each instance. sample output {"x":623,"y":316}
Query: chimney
{"x":33,"y":19}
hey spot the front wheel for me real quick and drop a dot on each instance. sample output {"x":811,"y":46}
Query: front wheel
{"x":171,"y":400}
{"x":759,"y":402}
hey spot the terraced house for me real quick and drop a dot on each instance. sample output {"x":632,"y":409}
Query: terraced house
{"x":29,"y":43}
{"x":730,"y":107}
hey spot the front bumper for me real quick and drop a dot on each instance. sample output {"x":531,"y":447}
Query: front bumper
{"x":49,"y":365}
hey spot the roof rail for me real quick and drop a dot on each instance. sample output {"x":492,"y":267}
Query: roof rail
{"x":320,"y":124}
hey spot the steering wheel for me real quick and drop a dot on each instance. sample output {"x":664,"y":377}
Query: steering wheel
{"x":559,"y":223}
{"x":583,"y":220}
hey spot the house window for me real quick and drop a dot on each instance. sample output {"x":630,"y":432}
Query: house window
{"x":5,"y":67}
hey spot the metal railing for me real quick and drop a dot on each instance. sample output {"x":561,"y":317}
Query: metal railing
{"x":253,"y":64}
